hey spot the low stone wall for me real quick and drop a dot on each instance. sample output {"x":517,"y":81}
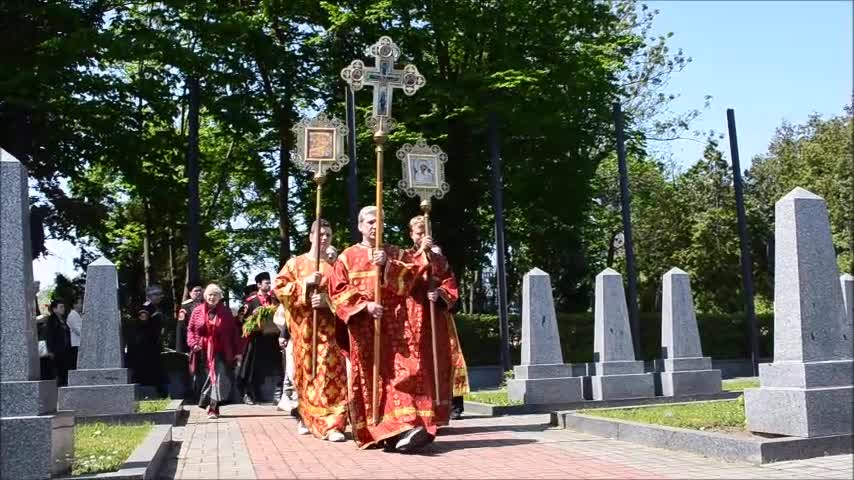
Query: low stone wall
{"x":498,"y":410}
{"x":490,"y":376}
{"x":731,"y":448}
{"x":165,"y":417}
{"x":145,"y":461}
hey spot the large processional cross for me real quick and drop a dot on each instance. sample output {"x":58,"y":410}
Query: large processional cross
{"x":384,"y":78}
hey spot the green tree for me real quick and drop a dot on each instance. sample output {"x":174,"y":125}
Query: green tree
{"x":816,"y":156}
{"x":97,"y":103}
{"x":705,"y":195}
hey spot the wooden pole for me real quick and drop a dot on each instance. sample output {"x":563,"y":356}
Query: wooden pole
{"x":317,"y":211}
{"x":425,"y":207}
{"x":379,"y":139}
{"x":744,"y":243}
{"x":626,"y":200}
{"x":500,"y":247}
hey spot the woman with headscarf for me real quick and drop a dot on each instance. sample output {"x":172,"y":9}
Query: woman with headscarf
{"x":214,"y":332}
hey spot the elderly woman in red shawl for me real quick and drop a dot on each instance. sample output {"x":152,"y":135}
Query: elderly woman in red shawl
{"x":213,"y":331}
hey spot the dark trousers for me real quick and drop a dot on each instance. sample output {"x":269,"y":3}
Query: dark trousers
{"x":61,"y":362}
{"x":457,"y":404}
{"x":74,"y":351}
{"x":262,"y":358}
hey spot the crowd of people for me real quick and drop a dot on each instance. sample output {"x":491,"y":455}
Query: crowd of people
{"x":325,"y":378}
{"x":331,"y":371}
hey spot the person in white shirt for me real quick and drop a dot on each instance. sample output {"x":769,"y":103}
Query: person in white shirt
{"x":75,"y":323}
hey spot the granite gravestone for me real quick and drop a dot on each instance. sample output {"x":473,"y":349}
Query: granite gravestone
{"x":542,"y":377}
{"x":807,"y":391}
{"x":100,"y":385}
{"x":36,"y":441}
{"x":847,"y":282}
{"x":685,"y":370}
{"x":618,"y":374}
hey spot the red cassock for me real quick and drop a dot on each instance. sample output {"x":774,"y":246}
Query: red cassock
{"x":406,"y":388}
{"x":323,"y":399}
{"x":453,"y":377}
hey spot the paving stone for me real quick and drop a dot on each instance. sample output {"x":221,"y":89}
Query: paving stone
{"x":262,"y":444}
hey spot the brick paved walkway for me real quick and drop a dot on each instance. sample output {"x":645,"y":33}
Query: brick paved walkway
{"x":258,"y":442}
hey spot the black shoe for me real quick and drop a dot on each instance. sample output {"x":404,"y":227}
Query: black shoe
{"x":413,"y":440}
{"x":388,"y":444}
{"x":456,"y":414}
{"x":248,"y":400}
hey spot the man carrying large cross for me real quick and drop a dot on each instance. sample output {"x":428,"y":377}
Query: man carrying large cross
{"x":321,"y":388}
{"x":405,"y":399}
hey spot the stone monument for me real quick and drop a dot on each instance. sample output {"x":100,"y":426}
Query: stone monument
{"x":36,"y":441}
{"x":542,"y":377}
{"x":100,"y":384}
{"x":685,"y":370}
{"x":807,"y":391}
{"x":618,"y":374}
{"x":847,"y":282}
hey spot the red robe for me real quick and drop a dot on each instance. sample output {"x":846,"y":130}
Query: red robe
{"x":322,"y":400}
{"x":406,"y":393}
{"x":453,"y":377}
{"x":219,"y":336}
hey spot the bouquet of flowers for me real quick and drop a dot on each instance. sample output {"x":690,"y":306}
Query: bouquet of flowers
{"x":261,"y":319}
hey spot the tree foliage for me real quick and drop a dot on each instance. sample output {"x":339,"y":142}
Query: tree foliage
{"x":688,"y":219}
{"x":817,"y":156}
{"x":96,"y":105}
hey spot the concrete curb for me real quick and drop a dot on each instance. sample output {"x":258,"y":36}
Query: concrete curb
{"x":164,"y":417}
{"x":497,"y":411}
{"x":729,"y":448}
{"x":144,"y":462}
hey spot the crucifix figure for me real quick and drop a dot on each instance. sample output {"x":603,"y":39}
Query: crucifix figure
{"x":384,"y":78}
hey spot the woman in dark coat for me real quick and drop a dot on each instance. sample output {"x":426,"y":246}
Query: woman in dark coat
{"x":58,"y":339}
{"x":214,"y":332}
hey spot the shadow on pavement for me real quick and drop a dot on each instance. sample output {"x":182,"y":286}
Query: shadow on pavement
{"x":443,"y":447}
{"x":448,"y":431}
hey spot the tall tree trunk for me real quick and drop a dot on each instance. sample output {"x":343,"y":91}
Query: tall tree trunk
{"x":284,"y":174}
{"x":146,"y":244}
{"x":612,"y":250}
{"x":473,"y":289}
{"x":282,"y":114}
{"x":193,"y":181}
{"x":172,"y":287}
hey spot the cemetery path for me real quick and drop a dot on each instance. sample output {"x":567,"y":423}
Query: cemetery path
{"x":258,"y":442}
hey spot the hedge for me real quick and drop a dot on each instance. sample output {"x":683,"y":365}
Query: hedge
{"x":721,"y":336}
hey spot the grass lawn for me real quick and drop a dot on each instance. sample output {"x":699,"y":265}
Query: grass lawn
{"x":491,"y":397}
{"x":723,"y":415}
{"x":150,"y":406}
{"x":739,"y":384}
{"x":101,"y":447}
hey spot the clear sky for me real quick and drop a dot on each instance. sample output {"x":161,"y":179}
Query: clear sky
{"x":769,"y":60}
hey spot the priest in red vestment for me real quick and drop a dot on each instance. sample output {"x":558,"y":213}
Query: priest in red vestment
{"x":302,"y":290}
{"x":407,"y":415}
{"x":437,"y":285}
